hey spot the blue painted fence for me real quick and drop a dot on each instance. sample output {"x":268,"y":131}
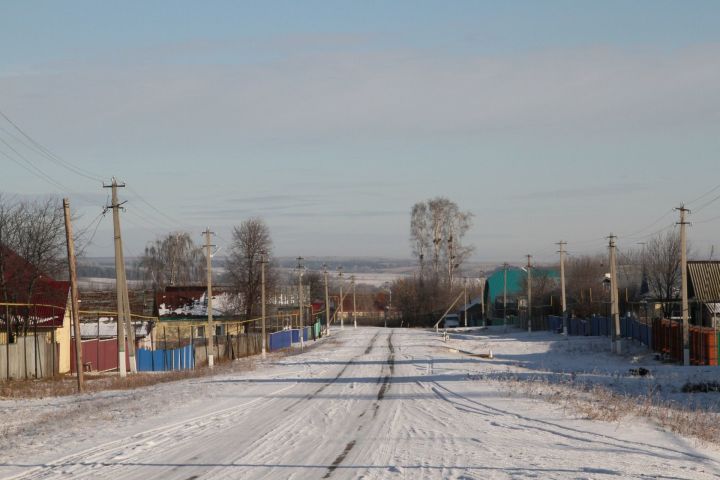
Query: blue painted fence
{"x":285,"y":338}
{"x":280,"y":340}
{"x":166,"y":360}
{"x":602,"y":327}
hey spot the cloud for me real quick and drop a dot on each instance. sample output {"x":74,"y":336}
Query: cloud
{"x":584,"y":192}
{"x":372,"y":94}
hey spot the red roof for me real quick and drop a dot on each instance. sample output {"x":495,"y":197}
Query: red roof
{"x":48,"y":296}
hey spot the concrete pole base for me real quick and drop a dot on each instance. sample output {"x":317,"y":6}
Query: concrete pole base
{"x":122,"y":368}
{"x":618,"y":347}
{"x":686,"y":357}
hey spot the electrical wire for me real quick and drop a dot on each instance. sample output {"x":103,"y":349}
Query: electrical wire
{"x":47,"y":153}
{"x":715,"y":188}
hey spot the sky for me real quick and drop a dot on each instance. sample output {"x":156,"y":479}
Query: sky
{"x":548,"y":120}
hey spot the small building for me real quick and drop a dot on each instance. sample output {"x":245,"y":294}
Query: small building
{"x":704,"y":292}
{"x":38,"y":317}
{"x":475,"y":314}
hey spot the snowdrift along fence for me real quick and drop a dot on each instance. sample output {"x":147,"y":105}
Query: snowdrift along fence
{"x":165,"y":360}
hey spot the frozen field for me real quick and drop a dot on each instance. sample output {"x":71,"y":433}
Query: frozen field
{"x":366,"y":403}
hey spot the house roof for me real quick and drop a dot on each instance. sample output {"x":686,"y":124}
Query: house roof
{"x":191,"y":301}
{"x":515,"y":277}
{"x":48,"y":297}
{"x":108,"y":328}
{"x":704,"y":279}
{"x":473,"y":303}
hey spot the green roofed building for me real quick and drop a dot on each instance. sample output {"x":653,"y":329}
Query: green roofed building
{"x":516,"y":278}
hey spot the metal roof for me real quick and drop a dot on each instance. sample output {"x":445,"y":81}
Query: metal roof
{"x":705,"y":280}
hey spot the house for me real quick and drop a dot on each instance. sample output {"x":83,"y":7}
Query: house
{"x":42,"y":311}
{"x":513,"y":292}
{"x":704,"y":292}
{"x":474,"y":310}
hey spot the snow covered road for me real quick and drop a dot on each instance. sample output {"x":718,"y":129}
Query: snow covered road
{"x":366,"y":403}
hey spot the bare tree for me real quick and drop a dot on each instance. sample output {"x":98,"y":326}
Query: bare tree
{"x":439,"y":224}
{"x":250,"y":240}
{"x":419,"y":233}
{"x":172,"y":260}
{"x":32,"y":241}
{"x":662,"y":263}
{"x":317,"y":284}
{"x":584,"y":283}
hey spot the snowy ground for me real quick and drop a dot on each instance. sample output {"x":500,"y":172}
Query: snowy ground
{"x":366,"y":403}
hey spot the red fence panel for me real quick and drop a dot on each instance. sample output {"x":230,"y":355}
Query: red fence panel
{"x":99,"y":355}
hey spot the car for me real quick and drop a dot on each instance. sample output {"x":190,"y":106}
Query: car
{"x":452,"y":320}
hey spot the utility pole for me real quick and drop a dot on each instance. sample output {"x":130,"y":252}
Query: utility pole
{"x":465,"y":299}
{"x":73,"y":295}
{"x":505,"y":269}
{"x":210,"y":337}
{"x":342,"y":320}
{"x":263,"y":261}
{"x":529,"y":290}
{"x":352,"y":282}
{"x":301,"y":270}
{"x":562,"y":286}
{"x":684,"y":287}
{"x":614,"y":306}
{"x":124,"y":330}
{"x":327,"y":300}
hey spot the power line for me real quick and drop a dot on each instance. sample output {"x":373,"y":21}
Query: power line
{"x":32,"y":168}
{"x":633,"y":234}
{"x":47,"y":153}
{"x":701,"y":207}
{"x":715,"y":188}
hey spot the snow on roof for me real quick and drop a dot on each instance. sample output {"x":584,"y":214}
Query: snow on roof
{"x":108,"y":328}
{"x":197,"y":307}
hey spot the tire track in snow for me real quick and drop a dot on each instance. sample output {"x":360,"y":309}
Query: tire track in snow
{"x":138,"y":442}
{"x":310,"y":396}
{"x":384,"y":387}
{"x":480,"y":408}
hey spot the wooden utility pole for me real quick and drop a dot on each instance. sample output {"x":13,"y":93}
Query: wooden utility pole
{"x":342,"y":320}
{"x":210,"y":323}
{"x":614,"y":305}
{"x":684,"y":286}
{"x":327,"y":301}
{"x":562,"y":286}
{"x":529,"y":292}
{"x":73,"y":297}
{"x":352,"y":282}
{"x":263,"y":261}
{"x":125,"y":333}
{"x":505,"y":269}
